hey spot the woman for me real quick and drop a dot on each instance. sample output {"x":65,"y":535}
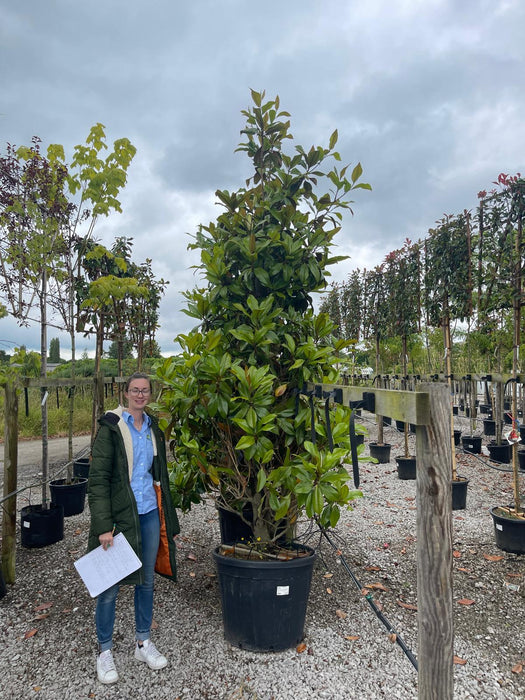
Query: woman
{"x":128,"y":492}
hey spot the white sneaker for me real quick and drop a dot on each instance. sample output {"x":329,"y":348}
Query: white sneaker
{"x":149,"y":653}
{"x":106,"y":671}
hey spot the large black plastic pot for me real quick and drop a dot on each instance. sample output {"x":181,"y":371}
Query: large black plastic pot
{"x":406,"y":468}
{"x":509,"y":532}
{"x":40,"y":527}
{"x":81,"y":467}
{"x":471,"y":443}
{"x":459,"y":493}
{"x":71,"y":496}
{"x":500,"y":453}
{"x":521,"y":460}
{"x":380,"y":452}
{"x":264,"y":602}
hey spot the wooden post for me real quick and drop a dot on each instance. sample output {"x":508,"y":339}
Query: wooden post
{"x":10,"y":479}
{"x":434,"y":549}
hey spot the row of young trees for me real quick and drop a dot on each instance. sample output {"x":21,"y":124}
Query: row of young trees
{"x":462,"y":281}
{"x":53,"y":272}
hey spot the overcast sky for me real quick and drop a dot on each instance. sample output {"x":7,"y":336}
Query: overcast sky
{"x":427,"y":94}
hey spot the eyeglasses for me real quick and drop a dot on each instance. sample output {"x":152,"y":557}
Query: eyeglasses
{"x":141,"y":392}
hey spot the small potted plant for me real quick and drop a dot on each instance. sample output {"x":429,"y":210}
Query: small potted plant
{"x":243,"y":426}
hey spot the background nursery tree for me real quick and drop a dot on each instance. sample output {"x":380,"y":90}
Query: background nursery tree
{"x":33,"y":211}
{"x":403,"y":290}
{"x":241,"y":426}
{"x":93,"y":181}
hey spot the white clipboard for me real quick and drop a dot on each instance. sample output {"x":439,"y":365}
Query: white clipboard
{"x":102,"y":568}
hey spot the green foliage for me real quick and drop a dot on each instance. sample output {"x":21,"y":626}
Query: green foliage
{"x":238,"y":421}
{"x":30,"y":426}
{"x":448,"y":275}
{"x":54,"y":351}
{"x":27,"y":364}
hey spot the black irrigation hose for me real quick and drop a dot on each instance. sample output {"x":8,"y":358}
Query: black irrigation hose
{"x":486,"y":462}
{"x":408,"y":652}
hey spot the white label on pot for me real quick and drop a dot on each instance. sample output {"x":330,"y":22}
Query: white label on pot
{"x":499,"y":526}
{"x":27,"y":523}
{"x":283,"y":590}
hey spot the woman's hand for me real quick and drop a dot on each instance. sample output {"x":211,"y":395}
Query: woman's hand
{"x":106,"y":539}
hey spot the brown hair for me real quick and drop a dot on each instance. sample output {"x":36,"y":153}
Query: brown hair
{"x":137,"y":375}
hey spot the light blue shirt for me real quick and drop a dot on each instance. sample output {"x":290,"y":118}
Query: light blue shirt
{"x":142,"y":478}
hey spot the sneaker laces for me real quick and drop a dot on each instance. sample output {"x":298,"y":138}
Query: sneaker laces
{"x":107,"y":662}
{"x":150,"y":649}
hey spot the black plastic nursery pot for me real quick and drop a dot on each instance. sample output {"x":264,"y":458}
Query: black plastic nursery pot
{"x":522,"y":433}
{"x":40,"y":527}
{"x":489,"y":426}
{"x":521,"y":460}
{"x":400,"y":425}
{"x":387,"y":420}
{"x":500,"y":453}
{"x":509,"y":532}
{"x":380,"y":452}
{"x":459,"y":493}
{"x":471,"y":443}
{"x":71,"y":496}
{"x":406,"y":468}
{"x":3,"y":587}
{"x":264,"y":602}
{"x":457,"y":437}
{"x":81,"y":467}
{"x":485,"y":408}
{"x":232,"y":526}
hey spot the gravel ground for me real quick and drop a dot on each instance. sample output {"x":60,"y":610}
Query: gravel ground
{"x":47,"y":629}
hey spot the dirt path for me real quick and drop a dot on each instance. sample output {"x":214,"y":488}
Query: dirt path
{"x":30,"y":451}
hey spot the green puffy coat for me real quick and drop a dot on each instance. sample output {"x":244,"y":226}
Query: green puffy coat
{"x":111,"y":499}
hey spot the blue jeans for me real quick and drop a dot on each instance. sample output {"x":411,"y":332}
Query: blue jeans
{"x":106,"y":601}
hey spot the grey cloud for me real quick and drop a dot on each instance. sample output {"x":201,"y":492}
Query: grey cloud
{"x":426,"y":95}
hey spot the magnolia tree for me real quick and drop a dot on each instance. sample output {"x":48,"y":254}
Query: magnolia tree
{"x":240,"y":422}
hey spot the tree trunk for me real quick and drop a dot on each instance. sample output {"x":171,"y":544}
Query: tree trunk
{"x":515,"y":358}
{"x":10,"y":481}
{"x":43,"y":375}
{"x":98,"y":388}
